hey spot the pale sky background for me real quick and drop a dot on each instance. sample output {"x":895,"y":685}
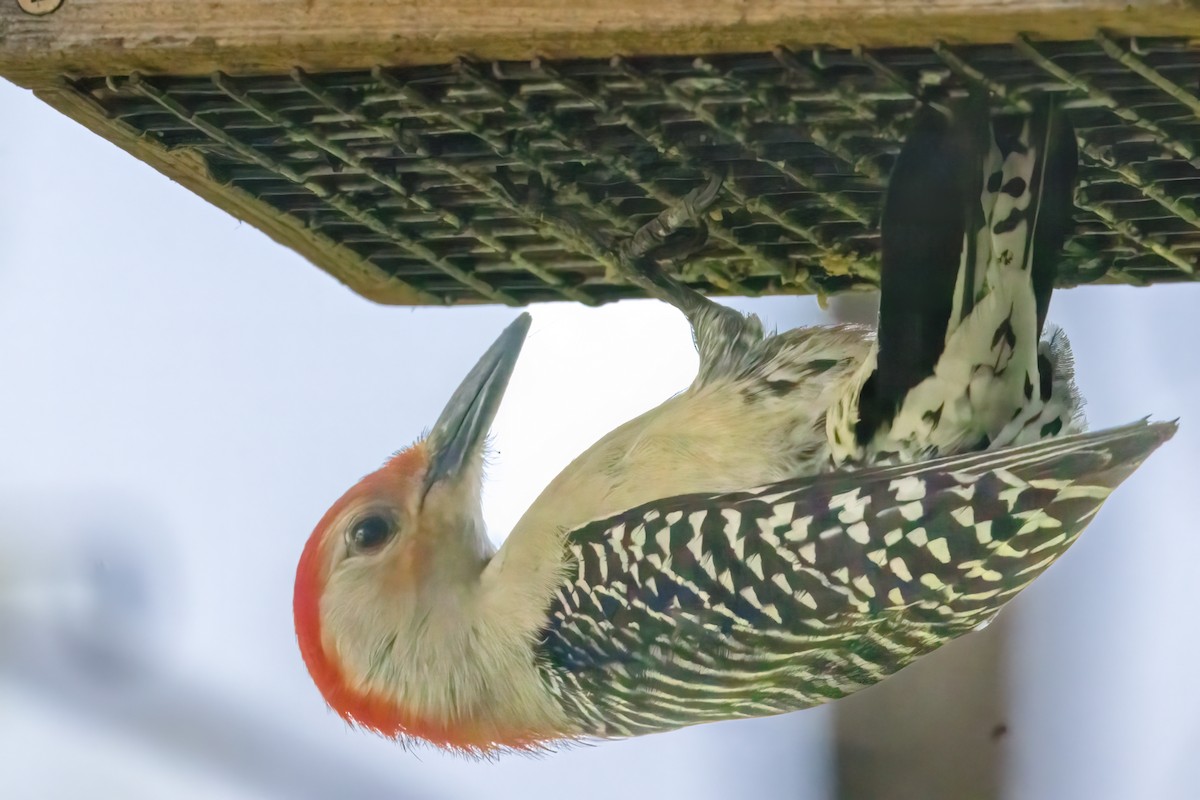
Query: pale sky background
{"x":186,"y":397}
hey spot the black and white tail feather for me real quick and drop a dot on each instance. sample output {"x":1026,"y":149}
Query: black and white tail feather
{"x":973,"y":224}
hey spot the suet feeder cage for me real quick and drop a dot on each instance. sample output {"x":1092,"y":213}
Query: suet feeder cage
{"x":394,"y":143}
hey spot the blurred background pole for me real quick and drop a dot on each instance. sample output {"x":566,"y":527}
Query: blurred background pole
{"x":934,"y":730}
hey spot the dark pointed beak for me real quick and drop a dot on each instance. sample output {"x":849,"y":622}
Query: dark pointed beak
{"x":459,"y":433}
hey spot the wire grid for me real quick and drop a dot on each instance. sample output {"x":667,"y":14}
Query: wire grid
{"x":455,"y":180}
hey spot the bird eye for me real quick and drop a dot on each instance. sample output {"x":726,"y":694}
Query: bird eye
{"x":370,"y":533}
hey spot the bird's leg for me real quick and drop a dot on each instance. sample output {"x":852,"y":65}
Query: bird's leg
{"x":637,"y":257}
{"x":720,"y":332}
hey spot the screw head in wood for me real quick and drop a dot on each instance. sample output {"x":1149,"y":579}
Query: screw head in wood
{"x":39,"y":7}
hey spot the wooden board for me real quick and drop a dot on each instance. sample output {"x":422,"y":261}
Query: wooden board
{"x":105,"y":37}
{"x":441,"y":238}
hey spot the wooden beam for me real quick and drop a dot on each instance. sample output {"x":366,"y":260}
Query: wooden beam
{"x":104,"y":37}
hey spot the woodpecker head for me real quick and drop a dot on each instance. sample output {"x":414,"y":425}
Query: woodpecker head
{"x":387,"y":589}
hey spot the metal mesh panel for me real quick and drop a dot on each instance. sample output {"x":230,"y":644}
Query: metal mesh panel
{"x":424,"y":171}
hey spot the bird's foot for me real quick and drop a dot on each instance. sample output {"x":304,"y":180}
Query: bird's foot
{"x":722,"y":334}
{"x":658,"y":238}
{"x":678,"y":232}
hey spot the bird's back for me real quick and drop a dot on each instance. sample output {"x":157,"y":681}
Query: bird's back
{"x":758,"y":419}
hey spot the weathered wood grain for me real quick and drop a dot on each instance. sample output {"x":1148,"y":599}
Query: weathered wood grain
{"x":198,"y":36}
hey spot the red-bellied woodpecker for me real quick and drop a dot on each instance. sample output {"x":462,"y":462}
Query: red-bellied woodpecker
{"x":908,"y":486}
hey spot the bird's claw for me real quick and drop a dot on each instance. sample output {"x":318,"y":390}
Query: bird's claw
{"x":702,"y":198}
{"x":651,"y":238}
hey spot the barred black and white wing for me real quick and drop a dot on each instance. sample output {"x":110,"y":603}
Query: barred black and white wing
{"x":703,"y":607}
